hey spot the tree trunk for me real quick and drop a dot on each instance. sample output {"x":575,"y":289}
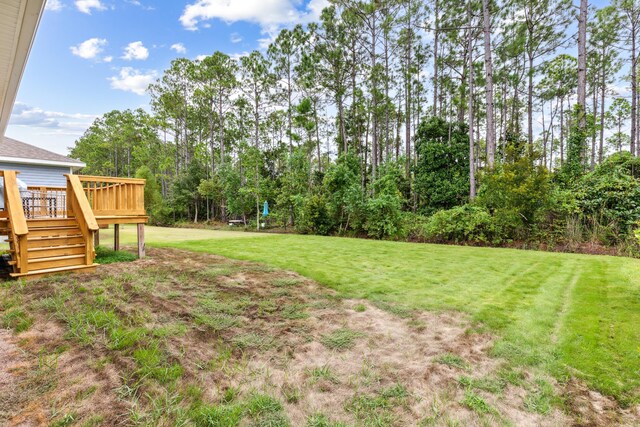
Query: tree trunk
{"x":593,"y":134}
{"x":530,"y":104}
{"x":435,"y":60}
{"x":488,"y":66}
{"x":634,"y":90}
{"x":561,"y":131}
{"x":603,"y":90}
{"x":407,"y":102}
{"x":472,"y":169}
{"x":582,"y":64}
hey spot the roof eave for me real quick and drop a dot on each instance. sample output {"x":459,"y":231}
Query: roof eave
{"x":28,"y":23}
{"x":25,"y":161}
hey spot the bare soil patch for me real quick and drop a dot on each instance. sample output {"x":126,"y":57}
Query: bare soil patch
{"x":199,"y":339}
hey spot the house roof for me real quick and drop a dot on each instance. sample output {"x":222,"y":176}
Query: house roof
{"x":12,"y":151}
{"x":18,"y":23}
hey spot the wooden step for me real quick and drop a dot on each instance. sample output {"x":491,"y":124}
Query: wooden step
{"x":57,"y":261}
{"x":59,"y":270}
{"x":51,"y":222}
{"x":54,"y":231}
{"x":52,"y":241}
{"x":56,"y":251}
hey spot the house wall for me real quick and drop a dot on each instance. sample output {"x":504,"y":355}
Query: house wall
{"x":39,"y":175}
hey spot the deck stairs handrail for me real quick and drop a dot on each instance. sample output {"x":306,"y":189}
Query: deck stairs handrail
{"x":18,"y":229}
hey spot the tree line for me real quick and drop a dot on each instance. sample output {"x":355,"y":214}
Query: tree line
{"x":393,"y":107}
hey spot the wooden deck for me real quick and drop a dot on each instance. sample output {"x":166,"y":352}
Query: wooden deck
{"x":54,"y":229}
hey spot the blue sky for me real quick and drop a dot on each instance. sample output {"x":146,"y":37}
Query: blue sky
{"x":93,"y":56}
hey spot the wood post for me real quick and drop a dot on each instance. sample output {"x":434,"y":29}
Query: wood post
{"x":141,"y":248}
{"x":96,"y":238}
{"x":116,"y":237}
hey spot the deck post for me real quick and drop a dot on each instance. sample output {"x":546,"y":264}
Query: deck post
{"x":96,"y":238}
{"x":116,"y":237}
{"x":141,"y":248}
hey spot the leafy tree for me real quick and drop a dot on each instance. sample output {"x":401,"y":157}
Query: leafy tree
{"x":441,"y":171}
{"x":517,"y":194}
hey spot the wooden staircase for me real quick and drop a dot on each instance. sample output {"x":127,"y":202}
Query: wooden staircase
{"x":54,"y":245}
{"x":49,"y":244}
{"x":52,"y":229}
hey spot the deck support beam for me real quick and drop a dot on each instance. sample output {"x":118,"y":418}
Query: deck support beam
{"x":96,"y":238}
{"x":116,"y":237}
{"x":141,"y":248}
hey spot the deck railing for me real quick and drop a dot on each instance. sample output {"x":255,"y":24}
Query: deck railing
{"x":114,"y":196}
{"x":44,"y":202}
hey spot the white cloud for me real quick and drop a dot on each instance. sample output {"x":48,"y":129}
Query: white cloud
{"x":237,"y":56}
{"x":179,"y":47}
{"x":107,"y":58}
{"x":26,"y":115}
{"x":54,"y":5}
{"x":269,"y":14}
{"x":132,"y":80}
{"x":201,"y":57}
{"x":139,"y":4}
{"x":89,"y":49}
{"x":236,"y":38}
{"x":135,"y":50}
{"x":85,"y":6}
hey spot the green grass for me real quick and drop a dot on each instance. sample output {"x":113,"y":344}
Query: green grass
{"x":16,"y":319}
{"x":323,"y":373}
{"x":550,"y":310}
{"x":452,"y":360}
{"x":341,"y":339}
{"x":108,"y":256}
{"x":476,"y":403}
{"x":377,"y":409}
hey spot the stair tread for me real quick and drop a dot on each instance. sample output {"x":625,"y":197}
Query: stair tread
{"x":57,"y":258}
{"x":57,"y":227}
{"x":48,"y":248}
{"x":34,"y":238}
{"x":54,"y":270}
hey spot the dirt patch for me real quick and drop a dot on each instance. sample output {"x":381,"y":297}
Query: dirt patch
{"x":590,"y":408}
{"x":190,"y":338}
{"x":13,"y":374}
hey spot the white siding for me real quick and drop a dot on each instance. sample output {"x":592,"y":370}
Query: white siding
{"x":39,"y":175}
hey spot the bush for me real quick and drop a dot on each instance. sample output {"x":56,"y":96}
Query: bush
{"x":383,"y":216}
{"x":468,"y":223}
{"x":442,"y":165}
{"x":517,"y":194}
{"x":344,"y":192}
{"x":315,"y":218}
{"x":608,"y":199}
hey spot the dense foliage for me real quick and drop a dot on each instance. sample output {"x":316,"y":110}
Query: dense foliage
{"x":356,"y":125}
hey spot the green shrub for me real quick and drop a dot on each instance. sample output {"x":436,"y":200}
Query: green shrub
{"x":442,"y":165}
{"x":315,"y":217}
{"x":468,"y":223}
{"x":383,"y":216}
{"x":608,"y":199}
{"x":517,"y":194}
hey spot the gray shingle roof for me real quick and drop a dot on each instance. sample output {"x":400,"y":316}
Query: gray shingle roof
{"x":9,"y":147}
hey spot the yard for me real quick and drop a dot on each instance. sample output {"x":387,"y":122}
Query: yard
{"x":400,"y":334}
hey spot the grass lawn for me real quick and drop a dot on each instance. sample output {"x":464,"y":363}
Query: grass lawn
{"x":168,"y":235}
{"x":570,"y":315}
{"x":191,"y":339}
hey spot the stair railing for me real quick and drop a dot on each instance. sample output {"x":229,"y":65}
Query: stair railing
{"x":17,"y":221}
{"x":78,"y":207}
